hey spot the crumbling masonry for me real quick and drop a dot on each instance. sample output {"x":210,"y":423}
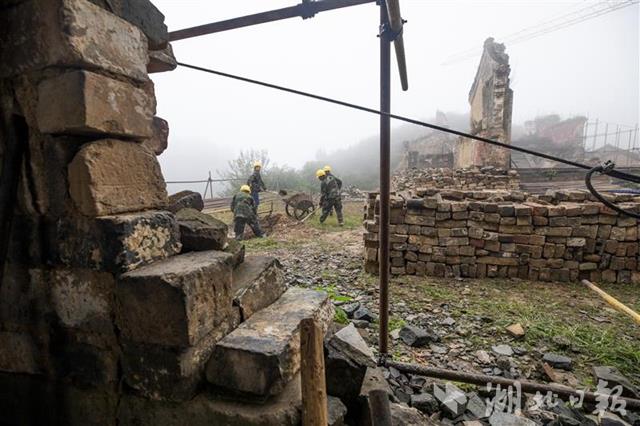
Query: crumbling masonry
{"x":113,"y":309}
{"x":491,"y":102}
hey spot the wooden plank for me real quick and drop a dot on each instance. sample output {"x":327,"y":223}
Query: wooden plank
{"x":314,"y":389}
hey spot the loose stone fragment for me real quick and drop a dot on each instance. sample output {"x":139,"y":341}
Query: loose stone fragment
{"x":516,"y":330}
{"x":504,"y":350}
{"x":200,"y":231}
{"x":257,"y":283}
{"x":416,"y":336}
{"x":185,"y":200}
{"x":558,"y":361}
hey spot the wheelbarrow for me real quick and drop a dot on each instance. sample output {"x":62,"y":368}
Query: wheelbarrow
{"x":298,"y":205}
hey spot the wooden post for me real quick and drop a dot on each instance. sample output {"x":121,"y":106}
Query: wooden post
{"x":314,"y":389}
{"x":379,"y":408}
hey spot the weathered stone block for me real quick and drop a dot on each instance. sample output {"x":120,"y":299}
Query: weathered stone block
{"x":237,"y":252}
{"x":83,"y":299}
{"x":169,"y":372}
{"x":159,"y":139}
{"x":175,"y":302}
{"x":262,"y":355}
{"x":92,"y":104}
{"x":257,"y":283}
{"x":161,"y":60}
{"x":110,"y":176}
{"x":185,"y":199}
{"x":206,"y":410}
{"x":200,"y":231}
{"x":144,"y":15}
{"x":114,"y":243}
{"x":18,"y":353}
{"x":69,"y":33}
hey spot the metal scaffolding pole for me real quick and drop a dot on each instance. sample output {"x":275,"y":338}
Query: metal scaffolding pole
{"x":385,"y":177}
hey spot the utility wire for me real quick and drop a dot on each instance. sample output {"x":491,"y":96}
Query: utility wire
{"x":613,"y":173}
{"x":542,"y":28}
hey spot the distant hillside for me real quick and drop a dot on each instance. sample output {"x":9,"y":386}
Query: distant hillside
{"x":358,"y":164}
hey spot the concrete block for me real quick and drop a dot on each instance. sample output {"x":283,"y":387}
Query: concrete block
{"x":109,"y":177}
{"x":175,"y":302}
{"x":263,"y":354}
{"x":86,"y":103}
{"x":72,"y":34}
{"x":257,"y":283}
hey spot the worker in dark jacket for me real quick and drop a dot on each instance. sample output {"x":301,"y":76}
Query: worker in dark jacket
{"x":256,"y":184}
{"x":328,"y":172}
{"x":330,"y":198}
{"x":244,"y":213}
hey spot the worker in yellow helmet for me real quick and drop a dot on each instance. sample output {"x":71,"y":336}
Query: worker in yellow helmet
{"x":244,"y":213}
{"x":328,"y":172}
{"x":330,"y":198}
{"x":256,"y":184}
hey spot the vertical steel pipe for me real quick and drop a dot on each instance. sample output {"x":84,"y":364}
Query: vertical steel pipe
{"x":385,"y":179}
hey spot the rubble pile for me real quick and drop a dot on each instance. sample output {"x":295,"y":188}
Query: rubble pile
{"x":559,"y":236}
{"x":474,"y":178}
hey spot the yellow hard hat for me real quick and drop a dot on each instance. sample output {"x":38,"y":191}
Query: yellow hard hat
{"x":320,"y":173}
{"x":327,"y":169}
{"x":257,"y":164}
{"x":245,"y":188}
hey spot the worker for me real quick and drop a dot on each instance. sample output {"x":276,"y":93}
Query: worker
{"x":330,"y":199}
{"x":256,"y":184}
{"x":244,"y":213}
{"x":328,"y":172}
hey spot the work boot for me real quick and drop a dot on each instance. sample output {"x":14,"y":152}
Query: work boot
{"x":341,"y":223}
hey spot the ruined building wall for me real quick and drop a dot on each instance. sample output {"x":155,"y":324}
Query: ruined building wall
{"x":561,"y":236}
{"x":114,"y":303}
{"x":491,"y":102}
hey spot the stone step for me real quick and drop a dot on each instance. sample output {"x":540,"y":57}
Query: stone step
{"x":263,"y":354}
{"x":177,"y":301}
{"x":257,"y":283}
{"x":206,"y":409}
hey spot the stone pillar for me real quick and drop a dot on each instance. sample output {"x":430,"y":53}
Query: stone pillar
{"x":491,"y":102}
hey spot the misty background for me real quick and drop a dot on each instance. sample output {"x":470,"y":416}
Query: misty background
{"x":590,"y":69}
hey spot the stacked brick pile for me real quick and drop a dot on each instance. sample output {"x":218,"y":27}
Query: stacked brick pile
{"x":471,"y":178}
{"x":116,"y":308}
{"x":561,"y":236}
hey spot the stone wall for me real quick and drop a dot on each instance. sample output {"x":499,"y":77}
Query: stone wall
{"x":113,"y":303}
{"x":491,"y":102}
{"x":418,"y":181}
{"x":560,"y":236}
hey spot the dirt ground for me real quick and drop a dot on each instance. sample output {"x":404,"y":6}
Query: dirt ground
{"x":470,"y":315}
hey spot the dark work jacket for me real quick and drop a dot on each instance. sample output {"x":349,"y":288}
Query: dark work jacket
{"x":329,"y":188}
{"x":242,"y":206}
{"x":255,"y":182}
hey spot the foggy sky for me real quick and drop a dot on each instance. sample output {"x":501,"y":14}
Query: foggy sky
{"x":590,"y":69}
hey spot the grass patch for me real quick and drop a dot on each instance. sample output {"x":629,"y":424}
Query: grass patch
{"x":260,"y":243}
{"x":333,"y":294}
{"x":341,"y":317}
{"x":396,"y":323}
{"x":351,"y":221}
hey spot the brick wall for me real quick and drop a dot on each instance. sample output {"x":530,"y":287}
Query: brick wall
{"x":420,"y":181}
{"x":560,"y":236}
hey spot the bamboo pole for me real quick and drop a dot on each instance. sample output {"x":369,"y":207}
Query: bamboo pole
{"x":613,"y":301}
{"x":314,"y":389}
